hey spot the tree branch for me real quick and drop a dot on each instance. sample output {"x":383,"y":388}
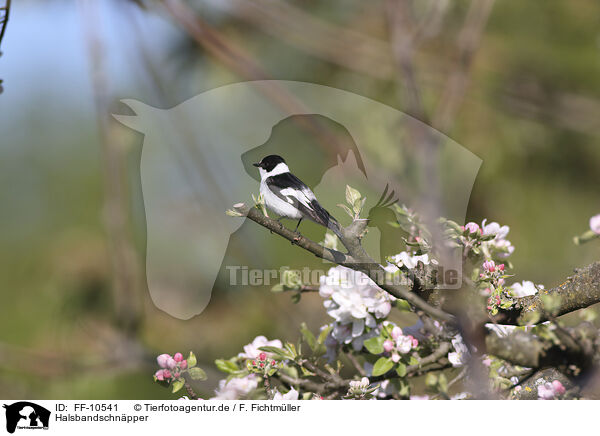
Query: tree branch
{"x":356,"y":258}
{"x":578,"y":292}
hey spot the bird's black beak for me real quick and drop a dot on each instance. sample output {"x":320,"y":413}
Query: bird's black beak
{"x":256,"y":165}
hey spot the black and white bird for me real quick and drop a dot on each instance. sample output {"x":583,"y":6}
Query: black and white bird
{"x":287,"y":196}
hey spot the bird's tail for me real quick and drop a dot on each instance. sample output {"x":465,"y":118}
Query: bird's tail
{"x":334,"y":226}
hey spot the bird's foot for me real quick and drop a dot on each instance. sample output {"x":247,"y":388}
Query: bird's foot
{"x":296,"y":238}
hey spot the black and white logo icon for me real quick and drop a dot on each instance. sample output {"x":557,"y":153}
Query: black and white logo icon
{"x":26,"y":415}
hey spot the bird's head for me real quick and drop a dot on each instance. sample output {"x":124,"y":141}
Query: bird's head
{"x":272,"y":165}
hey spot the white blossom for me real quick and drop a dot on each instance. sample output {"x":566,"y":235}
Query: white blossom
{"x":291,"y":395}
{"x":410,"y":261}
{"x":501,"y":330}
{"x":251,"y":351}
{"x":500,"y":246}
{"x":524,"y":289}
{"x":354,"y":301}
{"x":236,"y":388}
{"x":460,"y":354}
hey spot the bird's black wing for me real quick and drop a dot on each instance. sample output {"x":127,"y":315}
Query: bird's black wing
{"x":291,"y":189}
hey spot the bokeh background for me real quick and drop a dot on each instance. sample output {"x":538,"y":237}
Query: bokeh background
{"x":516,"y":83}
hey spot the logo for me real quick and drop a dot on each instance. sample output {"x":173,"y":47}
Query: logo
{"x":196,"y":163}
{"x":26,"y":415}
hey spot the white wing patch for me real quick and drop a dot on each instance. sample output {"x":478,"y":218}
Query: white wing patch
{"x":304,"y":196}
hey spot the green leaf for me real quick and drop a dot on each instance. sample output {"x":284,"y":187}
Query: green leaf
{"x":324,"y":333}
{"x":191,"y":360}
{"x":177,"y":384}
{"x":402,"y":305}
{"x":431,"y":380}
{"x":374,"y":345}
{"x":401,"y":369}
{"x":442,"y":383}
{"x":306,"y":372}
{"x":277,"y":288}
{"x":530,"y":318}
{"x":404,"y":390}
{"x":275,"y":350}
{"x":551,"y":303}
{"x":226,"y":366}
{"x":588,"y":314}
{"x":351,"y":195}
{"x":358,"y":205}
{"x":291,"y":349}
{"x":347,"y":210}
{"x":197,"y":373}
{"x":413,"y":360}
{"x":308,"y":336}
{"x":383,"y":365}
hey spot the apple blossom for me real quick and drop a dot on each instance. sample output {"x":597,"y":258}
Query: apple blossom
{"x":355,"y":302}
{"x":545,"y":391}
{"x":410,"y":261}
{"x":388,"y":345}
{"x":499,"y":246}
{"x":236,"y":388}
{"x":558,"y":387}
{"x":472,"y":227}
{"x":460,"y":354}
{"x":595,"y":224}
{"x":489,"y":266}
{"x":251,"y":351}
{"x":291,"y":395}
{"x":178,"y":357}
{"x":524,"y":289}
{"x":162,"y":360}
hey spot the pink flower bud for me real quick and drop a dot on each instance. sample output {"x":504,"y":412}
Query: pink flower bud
{"x":159,"y":374}
{"x":487,"y":362}
{"x":178,"y":357}
{"x":171,"y":364}
{"x":166,"y":373}
{"x":273,"y":363}
{"x":262,"y":365}
{"x":489,"y":308}
{"x":163,"y":360}
{"x":396,"y":332}
{"x":415,"y":342}
{"x":395,"y":357}
{"x":388,"y":345}
{"x":183,"y":364}
{"x":558,"y":387}
{"x":489,"y":266}
{"x":254,"y":362}
{"x":177,"y":374}
{"x":501,"y":267}
{"x":262,"y":356}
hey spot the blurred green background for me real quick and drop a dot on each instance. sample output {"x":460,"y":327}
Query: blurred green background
{"x":76,"y":320}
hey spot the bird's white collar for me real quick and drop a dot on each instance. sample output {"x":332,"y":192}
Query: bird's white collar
{"x":280,"y":168}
